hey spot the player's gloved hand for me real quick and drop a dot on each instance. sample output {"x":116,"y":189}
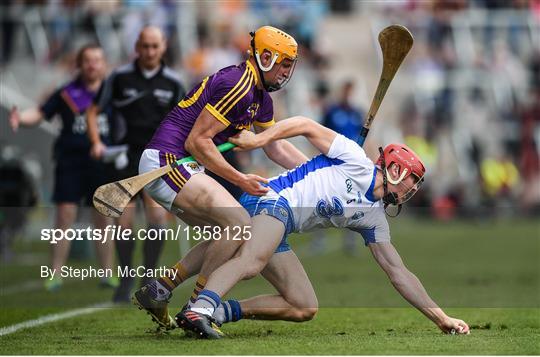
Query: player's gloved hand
{"x":14,"y":119}
{"x":454,"y":326}
{"x":252,"y":185}
{"x":97,"y":150}
{"x":245,"y":140}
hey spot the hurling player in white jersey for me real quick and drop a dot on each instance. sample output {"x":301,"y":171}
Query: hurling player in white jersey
{"x":342,"y":188}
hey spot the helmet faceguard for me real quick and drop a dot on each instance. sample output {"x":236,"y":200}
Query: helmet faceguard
{"x":281,"y":45}
{"x":408,"y":164}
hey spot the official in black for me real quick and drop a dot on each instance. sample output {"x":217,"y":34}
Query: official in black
{"x":141,"y":94}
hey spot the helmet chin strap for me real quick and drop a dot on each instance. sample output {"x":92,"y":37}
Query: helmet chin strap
{"x":389,"y":198}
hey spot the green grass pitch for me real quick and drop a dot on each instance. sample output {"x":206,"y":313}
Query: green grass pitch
{"x":487,"y":274}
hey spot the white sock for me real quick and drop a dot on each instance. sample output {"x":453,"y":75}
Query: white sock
{"x":206,"y":302}
{"x":219,"y":314}
{"x":208,"y":311}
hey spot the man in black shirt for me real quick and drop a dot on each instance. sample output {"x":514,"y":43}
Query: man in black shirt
{"x":141,"y":94}
{"x":76,"y":175}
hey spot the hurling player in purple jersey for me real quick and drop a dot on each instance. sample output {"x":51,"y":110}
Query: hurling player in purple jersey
{"x":219,"y":107}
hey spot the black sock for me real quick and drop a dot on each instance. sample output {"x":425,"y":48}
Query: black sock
{"x":124,"y":250}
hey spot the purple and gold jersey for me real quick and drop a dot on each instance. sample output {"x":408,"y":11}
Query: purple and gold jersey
{"x":231,"y":95}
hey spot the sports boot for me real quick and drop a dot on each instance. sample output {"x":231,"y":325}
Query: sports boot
{"x":201,"y":325}
{"x":158,"y":310}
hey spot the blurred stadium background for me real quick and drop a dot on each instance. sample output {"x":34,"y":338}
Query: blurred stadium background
{"x":467,"y":99}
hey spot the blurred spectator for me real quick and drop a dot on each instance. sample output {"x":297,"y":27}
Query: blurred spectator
{"x":500,"y":178}
{"x":224,"y":54}
{"x":347,"y":120}
{"x":76,"y":174}
{"x":10,"y":10}
{"x":530,"y":150}
{"x":140,"y":14}
{"x":466,"y":74}
{"x":342,"y":116}
{"x":141,"y":94}
{"x":61,"y":15}
{"x":209,"y":58}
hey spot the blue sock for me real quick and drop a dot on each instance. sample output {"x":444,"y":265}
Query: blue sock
{"x":207,"y":302}
{"x":233,"y":311}
{"x":228,"y":311}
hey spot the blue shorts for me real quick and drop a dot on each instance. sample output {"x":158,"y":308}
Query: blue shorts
{"x":277,"y":208}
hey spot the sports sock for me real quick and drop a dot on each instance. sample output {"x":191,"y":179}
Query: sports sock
{"x":228,"y":311}
{"x":199,"y":286}
{"x":173,"y":276}
{"x":158,"y":291}
{"x":206,"y":302}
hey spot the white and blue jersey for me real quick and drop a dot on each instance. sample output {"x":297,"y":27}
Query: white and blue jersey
{"x":333,"y":190}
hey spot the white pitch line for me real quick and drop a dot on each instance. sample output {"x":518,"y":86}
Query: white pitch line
{"x":53,"y":317}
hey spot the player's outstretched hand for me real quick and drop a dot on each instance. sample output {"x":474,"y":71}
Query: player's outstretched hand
{"x":454,"y":326}
{"x":14,"y":119}
{"x":245,"y":140}
{"x":252,"y":185}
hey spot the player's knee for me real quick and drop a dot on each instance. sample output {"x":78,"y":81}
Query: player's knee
{"x":304,"y":314}
{"x":309,"y":313}
{"x":253,"y":266}
{"x":305,"y":307}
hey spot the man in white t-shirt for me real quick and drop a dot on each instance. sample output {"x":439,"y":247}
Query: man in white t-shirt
{"x":340,"y":188}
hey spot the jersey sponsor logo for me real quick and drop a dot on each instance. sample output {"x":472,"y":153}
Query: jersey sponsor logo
{"x":348,"y":182}
{"x":243,"y":126}
{"x":357,"y":215}
{"x":327,"y":210}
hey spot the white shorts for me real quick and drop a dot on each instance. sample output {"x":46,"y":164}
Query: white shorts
{"x":165,"y":189}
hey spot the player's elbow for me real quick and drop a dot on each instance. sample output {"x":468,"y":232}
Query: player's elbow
{"x":194,"y":145}
{"x":189,"y":145}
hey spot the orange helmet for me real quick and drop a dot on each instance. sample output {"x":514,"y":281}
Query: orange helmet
{"x":280,"y":44}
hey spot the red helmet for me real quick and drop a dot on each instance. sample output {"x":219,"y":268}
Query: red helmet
{"x":406,"y":159}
